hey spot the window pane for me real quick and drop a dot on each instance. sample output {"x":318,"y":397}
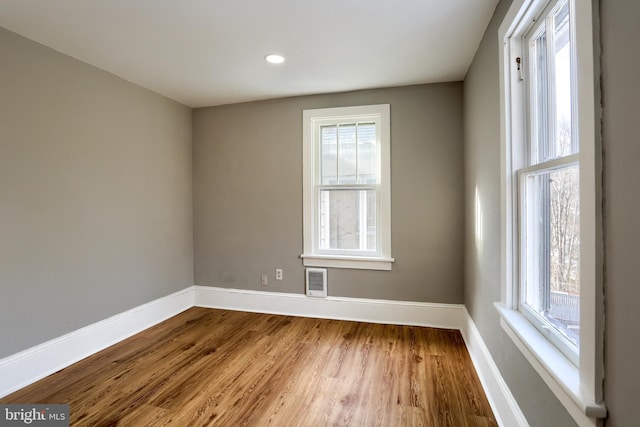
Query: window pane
{"x":551,"y":121}
{"x":348,"y":219}
{"x":347,"y":154}
{"x":371,"y":220}
{"x":562,"y":143}
{"x":329,"y":154}
{"x":539,"y":99}
{"x":367,"y":153}
{"x":551,"y":220}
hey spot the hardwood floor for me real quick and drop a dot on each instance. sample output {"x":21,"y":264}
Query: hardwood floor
{"x":226,"y":368}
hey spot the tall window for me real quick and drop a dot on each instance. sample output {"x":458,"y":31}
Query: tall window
{"x":552,"y":306}
{"x":549,"y":184}
{"x":346,"y":187}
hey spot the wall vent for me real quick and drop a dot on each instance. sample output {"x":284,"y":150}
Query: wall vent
{"x":316,"y":282}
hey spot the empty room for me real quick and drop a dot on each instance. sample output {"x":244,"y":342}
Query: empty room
{"x":338,"y":213}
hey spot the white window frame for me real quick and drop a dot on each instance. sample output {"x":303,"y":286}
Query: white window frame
{"x":578,"y":386}
{"x":527,"y":165}
{"x":313,"y":255}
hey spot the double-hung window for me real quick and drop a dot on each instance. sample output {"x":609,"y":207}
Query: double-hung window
{"x":549,"y":185}
{"x":551,"y":303}
{"x":347,"y":188}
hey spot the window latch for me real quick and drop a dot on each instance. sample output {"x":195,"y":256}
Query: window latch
{"x":519,"y":68}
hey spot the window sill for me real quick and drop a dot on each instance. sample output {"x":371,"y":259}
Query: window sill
{"x":562,"y":376}
{"x":354,"y":262}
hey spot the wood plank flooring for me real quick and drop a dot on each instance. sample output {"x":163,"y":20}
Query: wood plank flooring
{"x":225,"y":368}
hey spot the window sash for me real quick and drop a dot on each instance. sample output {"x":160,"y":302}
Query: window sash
{"x":541,"y":91}
{"x":541,"y":155}
{"x":345,"y":154}
{"x":321,"y":221}
{"x":366,"y":211}
{"x":528,"y":254}
{"x":344,"y":182}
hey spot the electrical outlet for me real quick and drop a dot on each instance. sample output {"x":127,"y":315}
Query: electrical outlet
{"x":263,"y":280}
{"x":278,"y":274}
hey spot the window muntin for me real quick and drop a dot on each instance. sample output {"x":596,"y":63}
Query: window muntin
{"x":549,"y":185}
{"x":347,"y":197}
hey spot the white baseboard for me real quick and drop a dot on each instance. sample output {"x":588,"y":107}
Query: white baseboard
{"x":23,"y":368}
{"x":28,"y":366}
{"x":448,"y":316}
{"x":504,"y":405}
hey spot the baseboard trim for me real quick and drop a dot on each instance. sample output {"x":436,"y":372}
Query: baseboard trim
{"x":504,"y":405}
{"x":447,"y":316}
{"x":28,"y":366}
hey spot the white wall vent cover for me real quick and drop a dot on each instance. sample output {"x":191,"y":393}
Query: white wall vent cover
{"x":316,"y":282}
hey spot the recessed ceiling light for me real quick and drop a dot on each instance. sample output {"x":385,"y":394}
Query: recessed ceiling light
{"x":274,"y":59}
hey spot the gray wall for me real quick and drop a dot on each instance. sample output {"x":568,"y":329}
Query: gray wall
{"x":621,"y":93}
{"x":621,"y":100}
{"x":248,"y":195}
{"x":482,"y":255}
{"x":95,"y":195}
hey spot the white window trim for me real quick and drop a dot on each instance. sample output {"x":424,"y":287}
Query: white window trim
{"x":578,"y":387}
{"x":311,"y":256}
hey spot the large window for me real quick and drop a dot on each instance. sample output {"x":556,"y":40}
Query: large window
{"x":552,"y":262}
{"x":549,"y":186}
{"x":346,"y":187}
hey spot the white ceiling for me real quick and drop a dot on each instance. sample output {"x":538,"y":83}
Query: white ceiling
{"x":211,"y":52}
